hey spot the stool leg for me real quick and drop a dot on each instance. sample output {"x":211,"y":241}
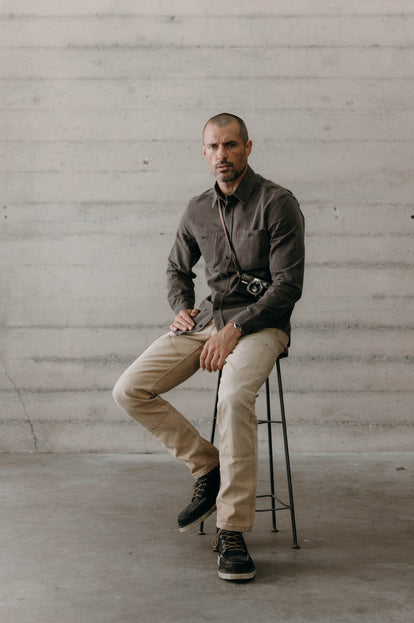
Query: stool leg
{"x":270,"y":446}
{"x":213,"y":430}
{"x":287,"y":460}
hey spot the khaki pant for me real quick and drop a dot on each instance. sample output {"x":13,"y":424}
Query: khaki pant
{"x":169,"y":361}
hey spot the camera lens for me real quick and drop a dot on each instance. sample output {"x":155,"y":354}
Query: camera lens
{"x":254,"y":287}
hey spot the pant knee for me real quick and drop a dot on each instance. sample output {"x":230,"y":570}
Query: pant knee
{"x":237,"y":422}
{"x":118,"y":393}
{"x":238,"y":400}
{"x":127,"y":392}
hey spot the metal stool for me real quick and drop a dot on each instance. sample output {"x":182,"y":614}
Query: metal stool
{"x":269,"y":422}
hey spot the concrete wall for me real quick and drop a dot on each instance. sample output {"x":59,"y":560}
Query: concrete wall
{"x":102,"y":105}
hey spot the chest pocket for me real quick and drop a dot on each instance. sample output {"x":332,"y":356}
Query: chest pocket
{"x":210,"y":246}
{"x":252,"y":249}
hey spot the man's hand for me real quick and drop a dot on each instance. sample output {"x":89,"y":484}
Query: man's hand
{"x":184,"y":320}
{"x":218,"y":347}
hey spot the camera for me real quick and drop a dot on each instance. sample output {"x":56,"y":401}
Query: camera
{"x":249,"y":284}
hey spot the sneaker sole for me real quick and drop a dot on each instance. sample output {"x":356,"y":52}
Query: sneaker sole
{"x":237,"y":576}
{"x":197,"y":521}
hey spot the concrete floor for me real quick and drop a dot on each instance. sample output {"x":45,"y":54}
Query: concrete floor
{"x":93,"y":538}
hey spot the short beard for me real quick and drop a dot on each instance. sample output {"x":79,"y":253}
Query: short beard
{"x":228,"y":176}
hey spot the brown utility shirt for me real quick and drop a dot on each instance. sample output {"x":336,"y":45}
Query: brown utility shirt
{"x":266,"y":228}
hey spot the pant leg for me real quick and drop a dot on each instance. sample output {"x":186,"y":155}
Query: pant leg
{"x":244,"y":372}
{"x":169,"y":361}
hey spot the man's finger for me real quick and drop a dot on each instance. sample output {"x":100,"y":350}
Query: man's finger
{"x":206,"y":356}
{"x":183,"y":321}
{"x":203,"y":357}
{"x":187,"y":319}
{"x":214,"y":363}
{"x":221,"y":361}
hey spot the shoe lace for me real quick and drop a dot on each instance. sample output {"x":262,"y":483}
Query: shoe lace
{"x":231,"y":540}
{"x":199,"y":487}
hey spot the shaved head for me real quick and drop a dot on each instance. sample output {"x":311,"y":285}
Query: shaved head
{"x":224,"y":119}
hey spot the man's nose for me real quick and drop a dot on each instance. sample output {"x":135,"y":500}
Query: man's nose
{"x":221,"y":152}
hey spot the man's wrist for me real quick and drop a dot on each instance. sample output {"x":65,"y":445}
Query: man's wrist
{"x":238,"y":327}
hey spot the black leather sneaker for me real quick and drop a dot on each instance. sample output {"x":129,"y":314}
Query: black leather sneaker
{"x":233,"y":558}
{"x":203,"y":502}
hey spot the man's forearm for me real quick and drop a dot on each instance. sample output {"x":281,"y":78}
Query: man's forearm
{"x":180,"y":290}
{"x":265,"y":311}
{"x":286,"y":263}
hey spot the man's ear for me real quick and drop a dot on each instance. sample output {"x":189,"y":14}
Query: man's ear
{"x":249,"y":146}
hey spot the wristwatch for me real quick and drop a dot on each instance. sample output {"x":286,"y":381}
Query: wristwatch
{"x":238,"y":327}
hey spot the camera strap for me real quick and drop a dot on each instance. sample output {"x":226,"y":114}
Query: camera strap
{"x":232,"y":253}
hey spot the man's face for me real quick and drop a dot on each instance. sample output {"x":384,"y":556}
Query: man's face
{"x":225,"y":151}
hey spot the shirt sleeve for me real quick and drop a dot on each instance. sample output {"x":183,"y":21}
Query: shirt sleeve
{"x":286,"y":266}
{"x":184,"y":254}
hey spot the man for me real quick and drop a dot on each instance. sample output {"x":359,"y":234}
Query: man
{"x":250,"y":233}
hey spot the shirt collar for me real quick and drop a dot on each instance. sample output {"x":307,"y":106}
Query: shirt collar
{"x":243,"y":191}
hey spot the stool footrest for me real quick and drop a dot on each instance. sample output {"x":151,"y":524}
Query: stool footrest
{"x":273,"y":497}
{"x":269,"y":422}
{"x":277,"y":508}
